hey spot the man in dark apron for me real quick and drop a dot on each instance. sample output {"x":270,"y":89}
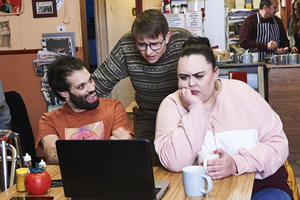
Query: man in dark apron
{"x":264,"y":31}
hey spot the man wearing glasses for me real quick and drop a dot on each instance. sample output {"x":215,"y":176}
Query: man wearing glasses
{"x":148,"y":55}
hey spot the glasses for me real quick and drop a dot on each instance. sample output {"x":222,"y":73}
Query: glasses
{"x":154,"y":46}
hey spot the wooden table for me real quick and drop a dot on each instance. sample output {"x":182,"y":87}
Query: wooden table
{"x":233,"y":187}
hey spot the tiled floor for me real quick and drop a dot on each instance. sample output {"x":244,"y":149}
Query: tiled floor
{"x":296,"y":167}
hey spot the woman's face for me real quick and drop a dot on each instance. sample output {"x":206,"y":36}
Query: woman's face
{"x":296,"y":10}
{"x":196,"y":74}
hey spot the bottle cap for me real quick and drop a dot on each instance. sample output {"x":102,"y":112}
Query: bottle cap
{"x":42,"y":163}
{"x":27,"y":157}
{"x":22,"y":171}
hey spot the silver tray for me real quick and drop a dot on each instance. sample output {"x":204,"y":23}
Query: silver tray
{"x":224,"y":62}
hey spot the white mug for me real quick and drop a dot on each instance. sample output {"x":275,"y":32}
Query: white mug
{"x":255,"y":56}
{"x":194,"y":181}
{"x":209,"y":157}
{"x":202,"y":154}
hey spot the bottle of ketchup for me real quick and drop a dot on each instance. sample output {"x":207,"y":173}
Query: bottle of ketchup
{"x":167,"y":6}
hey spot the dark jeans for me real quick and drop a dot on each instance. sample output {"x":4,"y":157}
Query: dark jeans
{"x":145,"y":129}
{"x":271,"y":194}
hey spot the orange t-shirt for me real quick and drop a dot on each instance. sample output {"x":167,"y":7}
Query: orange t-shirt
{"x":88,"y":125}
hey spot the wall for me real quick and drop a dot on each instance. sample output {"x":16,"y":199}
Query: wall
{"x":26,"y":31}
{"x":16,"y":68}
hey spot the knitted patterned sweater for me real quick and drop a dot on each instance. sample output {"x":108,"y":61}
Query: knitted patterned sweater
{"x":152,"y":82}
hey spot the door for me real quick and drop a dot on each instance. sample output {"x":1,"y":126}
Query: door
{"x":119,"y":21}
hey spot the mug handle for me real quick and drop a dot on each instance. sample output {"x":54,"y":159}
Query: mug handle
{"x":209,"y":184}
{"x":205,"y":164}
{"x":241,"y":58}
{"x":273,"y":60}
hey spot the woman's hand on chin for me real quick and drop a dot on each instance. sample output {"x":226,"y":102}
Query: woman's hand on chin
{"x":187,"y":98}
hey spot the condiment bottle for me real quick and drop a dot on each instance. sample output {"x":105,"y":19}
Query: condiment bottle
{"x":21,"y":175}
{"x":27,"y":162}
{"x":42,"y":165}
{"x":167,"y":6}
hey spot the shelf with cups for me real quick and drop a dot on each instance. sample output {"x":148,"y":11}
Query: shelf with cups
{"x":292,"y":60}
{"x":229,"y":38}
{"x":283,"y":66}
{"x":256,"y":73}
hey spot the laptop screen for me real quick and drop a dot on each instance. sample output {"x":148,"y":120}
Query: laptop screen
{"x":107,"y":169}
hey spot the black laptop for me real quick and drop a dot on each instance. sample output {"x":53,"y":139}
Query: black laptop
{"x":108,"y":169}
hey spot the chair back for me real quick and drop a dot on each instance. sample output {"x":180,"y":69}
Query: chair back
{"x":20,"y":123}
{"x":292,"y":180}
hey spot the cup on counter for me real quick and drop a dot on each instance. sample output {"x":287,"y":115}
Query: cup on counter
{"x":273,"y":59}
{"x":246,"y":58}
{"x":236,"y":57}
{"x":255,"y":56}
{"x":194,"y":181}
{"x":293,"y":59}
{"x":298,"y":58}
{"x":218,"y":57}
{"x":282,"y":59}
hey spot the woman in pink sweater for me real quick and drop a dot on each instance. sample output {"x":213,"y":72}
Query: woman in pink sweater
{"x":224,"y":115}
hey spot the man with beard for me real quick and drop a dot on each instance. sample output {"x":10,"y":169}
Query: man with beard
{"x":264,"y":31}
{"x":84,"y":116}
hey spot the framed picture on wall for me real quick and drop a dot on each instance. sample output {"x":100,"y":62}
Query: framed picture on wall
{"x":44,"y":8}
{"x":11,"y":7}
{"x":61,"y":43}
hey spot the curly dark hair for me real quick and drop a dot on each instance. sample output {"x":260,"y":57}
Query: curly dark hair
{"x":59,"y":70}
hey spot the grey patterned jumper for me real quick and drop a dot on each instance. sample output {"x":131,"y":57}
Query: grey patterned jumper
{"x":152,"y":82}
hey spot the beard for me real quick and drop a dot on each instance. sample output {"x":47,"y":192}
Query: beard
{"x":80,"y":102}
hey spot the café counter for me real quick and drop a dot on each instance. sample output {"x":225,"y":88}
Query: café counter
{"x":232,"y":187}
{"x":284,"y":98}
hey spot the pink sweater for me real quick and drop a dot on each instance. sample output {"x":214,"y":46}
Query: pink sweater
{"x":245,"y":126}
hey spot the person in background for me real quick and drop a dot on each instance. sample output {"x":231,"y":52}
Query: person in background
{"x":148,"y":55}
{"x":5,"y":7}
{"x":264,"y":31}
{"x":84,"y":116}
{"x":296,"y":26}
{"x":4,"y":110}
{"x":224,"y":115}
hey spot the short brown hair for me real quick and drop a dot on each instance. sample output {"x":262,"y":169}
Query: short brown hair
{"x":150,"y":24}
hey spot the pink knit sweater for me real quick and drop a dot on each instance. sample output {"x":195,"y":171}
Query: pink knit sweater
{"x":245,"y":126}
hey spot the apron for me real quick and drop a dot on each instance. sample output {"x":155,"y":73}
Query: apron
{"x":265,"y":33}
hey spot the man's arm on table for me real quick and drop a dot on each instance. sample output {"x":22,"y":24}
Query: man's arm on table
{"x":49,"y":147}
{"x":121,"y":134}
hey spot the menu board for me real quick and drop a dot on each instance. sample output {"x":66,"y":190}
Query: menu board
{"x":191,"y":21}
